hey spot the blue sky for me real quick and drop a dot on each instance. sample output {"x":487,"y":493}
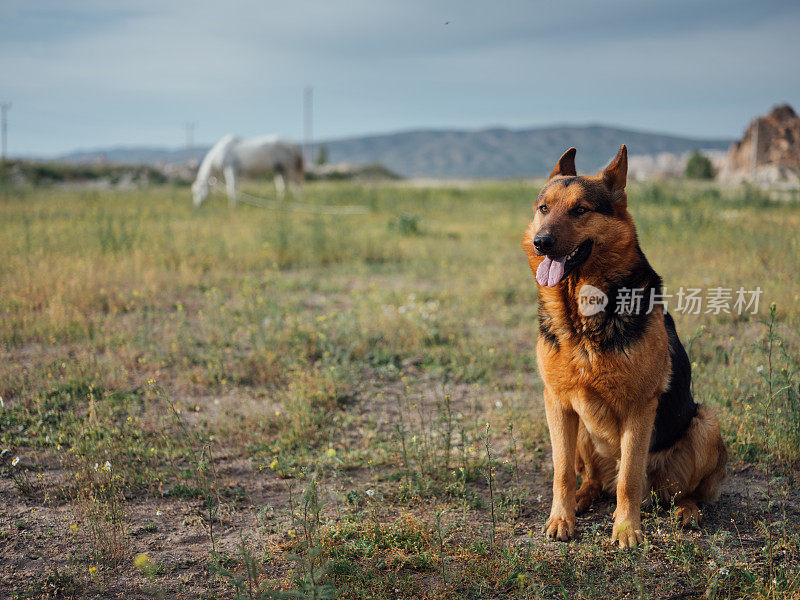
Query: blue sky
{"x":85,"y":74}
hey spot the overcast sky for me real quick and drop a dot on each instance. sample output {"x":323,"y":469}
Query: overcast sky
{"x":83,"y":74}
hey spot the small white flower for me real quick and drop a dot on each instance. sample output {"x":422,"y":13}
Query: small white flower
{"x":159,"y":513}
{"x":96,"y":467}
{"x":724,"y":571}
{"x":3,"y":453}
{"x":15,"y":461}
{"x":498,"y":404}
{"x":370,"y":493}
{"x":539,"y":498}
{"x":107,"y":466}
{"x":760,"y":369}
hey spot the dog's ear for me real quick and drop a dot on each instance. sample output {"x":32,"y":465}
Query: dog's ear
{"x":616,"y":174}
{"x":565,"y":165}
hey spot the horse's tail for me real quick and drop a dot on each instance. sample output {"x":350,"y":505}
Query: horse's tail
{"x":299,"y":167}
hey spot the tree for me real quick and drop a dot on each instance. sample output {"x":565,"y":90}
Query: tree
{"x":699,"y":167}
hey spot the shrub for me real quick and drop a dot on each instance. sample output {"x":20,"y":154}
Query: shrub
{"x":699,"y":167}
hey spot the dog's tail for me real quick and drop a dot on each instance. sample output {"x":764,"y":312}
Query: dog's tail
{"x":709,"y":487}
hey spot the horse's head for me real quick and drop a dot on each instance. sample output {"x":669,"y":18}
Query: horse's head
{"x":200,"y":191}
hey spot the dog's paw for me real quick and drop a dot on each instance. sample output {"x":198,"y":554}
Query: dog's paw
{"x":586,"y":496}
{"x":559,"y":528}
{"x":688,"y":515}
{"x":627,"y":533}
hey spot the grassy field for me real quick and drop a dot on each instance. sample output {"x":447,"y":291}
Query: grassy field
{"x":243,"y":403}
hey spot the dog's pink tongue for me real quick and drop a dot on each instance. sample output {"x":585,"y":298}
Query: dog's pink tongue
{"x":543,"y":272}
{"x":550,"y":271}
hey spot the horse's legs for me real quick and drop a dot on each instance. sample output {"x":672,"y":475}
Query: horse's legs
{"x":230,"y":184}
{"x":280,"y":186}
{"x":296,"y":183}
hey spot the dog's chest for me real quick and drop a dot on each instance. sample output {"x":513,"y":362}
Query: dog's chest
{"x":598,"y":389}
{"x":613,"y":382}
{"x":579,"y":370}
{"x":605,"y":352}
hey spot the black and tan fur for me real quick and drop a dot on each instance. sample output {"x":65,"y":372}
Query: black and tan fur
{"x":617,"y":386}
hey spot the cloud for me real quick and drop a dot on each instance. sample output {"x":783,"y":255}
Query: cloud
{"x":126,"y":70}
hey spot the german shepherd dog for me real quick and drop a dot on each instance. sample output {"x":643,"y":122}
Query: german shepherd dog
{"x":617,"y":384}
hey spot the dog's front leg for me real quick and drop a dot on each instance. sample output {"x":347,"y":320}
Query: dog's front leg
{"x":634,"y":444}
{"x":563,"y":423}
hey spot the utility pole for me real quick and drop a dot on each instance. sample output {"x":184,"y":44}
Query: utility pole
{"x":308,"y":125}
{"x":190,"y":139}
{"x":4,"y":106}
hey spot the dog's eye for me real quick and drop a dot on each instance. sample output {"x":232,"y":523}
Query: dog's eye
{"x":543,"y":209}
{"x":581,"y":210}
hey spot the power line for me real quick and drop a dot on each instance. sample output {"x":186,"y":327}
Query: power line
{"x":4,"y":106}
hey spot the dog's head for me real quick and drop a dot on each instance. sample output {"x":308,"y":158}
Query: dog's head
{"x":578,"y":218}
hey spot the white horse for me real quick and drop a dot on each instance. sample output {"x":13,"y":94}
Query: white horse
{"x":253,"y":156}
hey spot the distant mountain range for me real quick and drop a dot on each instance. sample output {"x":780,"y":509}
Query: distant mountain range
{"x":490,"y":153}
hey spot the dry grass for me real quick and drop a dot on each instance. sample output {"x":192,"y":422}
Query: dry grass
{"x":298,"y":402}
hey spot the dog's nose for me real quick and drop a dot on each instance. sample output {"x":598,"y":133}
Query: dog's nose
{"x":544,"y":242}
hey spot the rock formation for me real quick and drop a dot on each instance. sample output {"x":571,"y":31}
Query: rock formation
{"x":769,"y":152}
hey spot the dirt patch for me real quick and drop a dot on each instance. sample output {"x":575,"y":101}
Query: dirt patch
{"x":39,"y":538}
